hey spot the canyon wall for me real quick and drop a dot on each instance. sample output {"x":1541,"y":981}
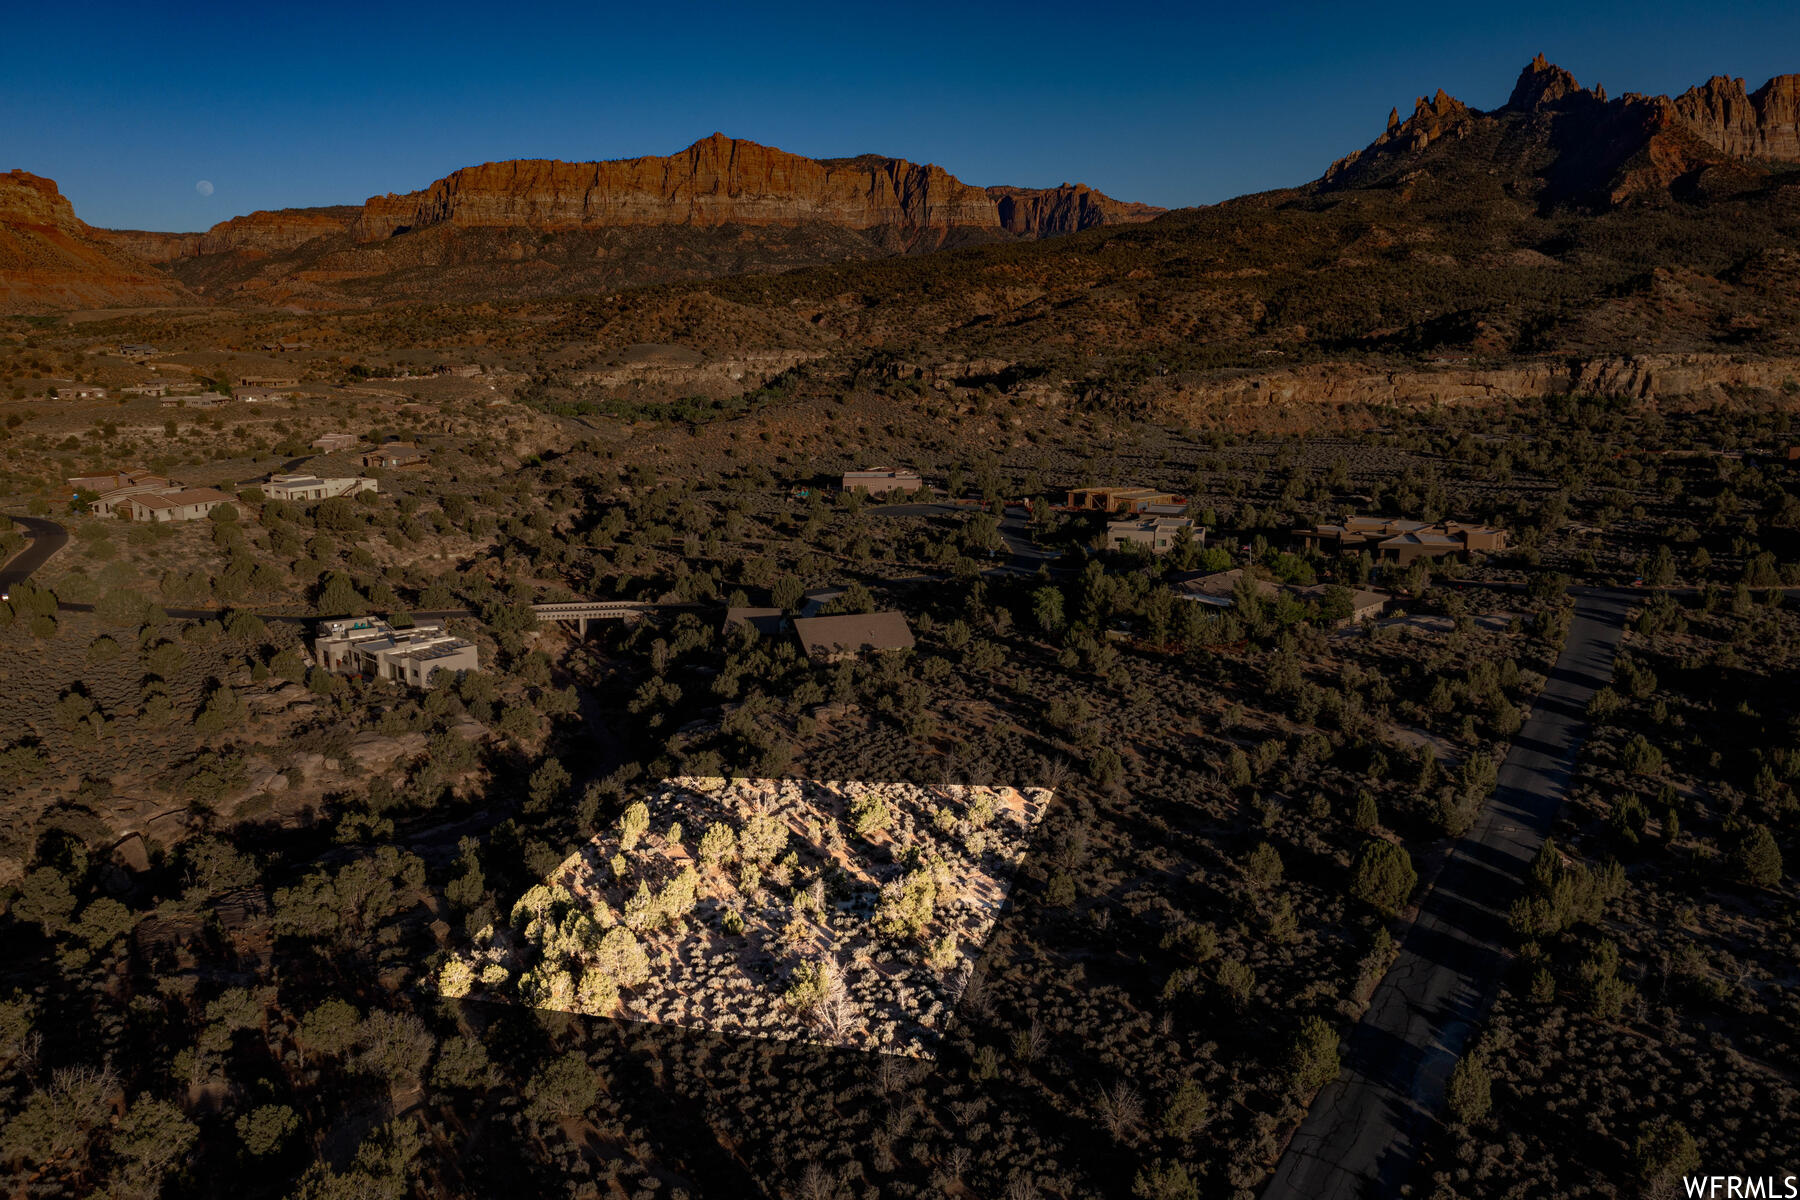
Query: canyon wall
{"x":50,"y":258}
{"x":729,"y":181}
{"x":1760,"y":124}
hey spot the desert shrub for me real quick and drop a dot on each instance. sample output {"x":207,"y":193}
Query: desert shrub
{"x":1383,"y":876}
{"x":1313,"y":1059}
{"x":1471,"y":1088}
{"x":1664,"y":1152}
{"x":1755,"y":857}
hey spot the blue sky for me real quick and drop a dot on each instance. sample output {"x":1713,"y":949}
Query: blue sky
{"x":128,"y":107}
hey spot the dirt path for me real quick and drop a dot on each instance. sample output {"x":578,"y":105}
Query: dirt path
{"x":1364,"y":1131}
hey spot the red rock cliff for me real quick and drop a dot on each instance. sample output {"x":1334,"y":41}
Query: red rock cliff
{"x":252,"y":235}
{"x":720,"y":181}
{"x":49,"y":258}
{"x":1760,"y":124}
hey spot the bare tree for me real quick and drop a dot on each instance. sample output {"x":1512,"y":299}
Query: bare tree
{"x":1120,"y":1110}
{"x":816,"y":1183}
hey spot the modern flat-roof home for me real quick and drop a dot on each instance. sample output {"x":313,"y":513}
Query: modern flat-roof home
{"x":196,"y":400}
{"x":312,"y":487}
{"x":146,"y":389}
{"x":878,"y":481}
{"x":332,"y":442}
{"x":133,"y":350}
{"x":259,"y":395}
{"x":1159,"y":535}
{"x":1220,"y":589}
{"x":395,"y":454}
{"x":181,"y":504}
{"x":81,"y":391}
{"x":373,"y":649}
{"x":852,"y":633}
{"x":1402,"y":541}
{"x":1121,"y":499}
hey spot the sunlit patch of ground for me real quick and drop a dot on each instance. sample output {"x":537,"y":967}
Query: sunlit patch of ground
{"x":841,"y":913}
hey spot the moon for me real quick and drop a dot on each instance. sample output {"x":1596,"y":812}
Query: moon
{"x":204,"y":187}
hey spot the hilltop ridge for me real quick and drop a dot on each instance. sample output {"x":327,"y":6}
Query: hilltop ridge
{"x":726,"y":207}
{"x":721,"y":180}
{"x":1566,"y":144}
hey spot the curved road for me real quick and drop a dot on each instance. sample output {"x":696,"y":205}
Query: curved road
{"x":1364,"y":1131}
{"x":47,"y":537}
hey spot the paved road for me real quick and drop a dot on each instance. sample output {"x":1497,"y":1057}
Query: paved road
{"x":47,"y":537}
{"x":1364,"y":1131}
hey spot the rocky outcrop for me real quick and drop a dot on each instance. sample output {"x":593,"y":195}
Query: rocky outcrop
{"x":1645,"y":378}
{"x":1431,"y":120}
{"x":152,"y":247}
{"x":253,"y":235}
{"x":1762,"y":124}
{"x":50,"y":258}
{"x":265,"y":232}
{"x":1542,"y":84}
{"x":728,"y":181}
{"x":1068,"y":208}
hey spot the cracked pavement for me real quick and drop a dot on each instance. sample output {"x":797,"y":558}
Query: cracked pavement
{"x":1364,"y":1131}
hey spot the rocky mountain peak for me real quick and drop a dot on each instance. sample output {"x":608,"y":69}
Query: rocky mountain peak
{"x":1542,"y":84}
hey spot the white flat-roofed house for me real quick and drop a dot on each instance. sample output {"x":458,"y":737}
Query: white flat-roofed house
{"x":371,"y":648}
{"x":302,"y":488}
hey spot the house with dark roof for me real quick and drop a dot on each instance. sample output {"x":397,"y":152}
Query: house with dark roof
{"x":849,"y":634}
{"x":770,"y":622}
{"x":396,"y":454}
